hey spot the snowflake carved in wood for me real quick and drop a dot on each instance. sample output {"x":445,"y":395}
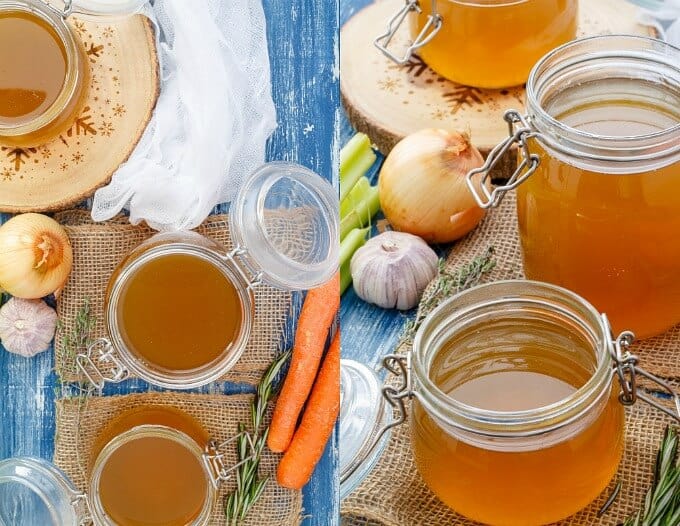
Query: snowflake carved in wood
{"x":439,"y":114}
{"x":106,"y":129}
{"x":415,"y":67}
{"x":7,"y":174}
{"x":18,"y":156}
{"x":461,"y":96}
{"x":94,"y":52}
{"x":80,"y":27}
{"x":83,"y":124}
{"x":390,"y":84}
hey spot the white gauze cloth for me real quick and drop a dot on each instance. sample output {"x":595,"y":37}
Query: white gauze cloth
{"x":212,"y":120}
{"x":665,"y":16}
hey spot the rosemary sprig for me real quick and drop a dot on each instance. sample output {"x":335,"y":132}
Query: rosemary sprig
{"x":449,"y":283}
{"x":249,"y":487}
{"x":662,"y":504}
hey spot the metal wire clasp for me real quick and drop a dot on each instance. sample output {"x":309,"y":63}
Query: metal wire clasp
{"x":215,"y":457}
{"x":81,"y":505}
{"x":99,"y":353}
{"x":516,"y":135}
{"x":396,"y":396}
{"x":65,"y":12}
{"x":239,"y":257}
{"x":627,"y":369}
{"x":429,"y":31}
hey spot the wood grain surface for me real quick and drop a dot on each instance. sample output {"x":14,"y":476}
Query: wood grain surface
{"x":303,"y":45}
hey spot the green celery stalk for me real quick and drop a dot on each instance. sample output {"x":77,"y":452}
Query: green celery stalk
{"x":345,"y":278}
{"x":356,"y":146}
{"x":356,"y":158}
{"x":361,"y":213}
{"x":354,"y":240}
{"x":355,"y":197}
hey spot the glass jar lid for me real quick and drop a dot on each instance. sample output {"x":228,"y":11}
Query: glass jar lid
{"x":34,"y":491}
{"x":363,"y":414}
{"x":100,"y":8}
{"x":285,"y":221}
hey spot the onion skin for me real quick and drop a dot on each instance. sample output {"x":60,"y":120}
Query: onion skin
{"x":423,"y":189}
{"x":35,"y":256}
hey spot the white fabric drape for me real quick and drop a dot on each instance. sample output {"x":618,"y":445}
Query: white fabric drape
{"x":665,"y":16}
{"x":212,"y":120}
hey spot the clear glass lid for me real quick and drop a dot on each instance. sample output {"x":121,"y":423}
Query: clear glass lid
{"x":285,"y":218}
{"x":100,"y":8}
{"x":34,"y":492}
{"x":363,"y":413}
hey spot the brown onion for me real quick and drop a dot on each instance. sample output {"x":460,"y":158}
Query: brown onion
{"x":423,"y":189}
{"x":35,"y":256}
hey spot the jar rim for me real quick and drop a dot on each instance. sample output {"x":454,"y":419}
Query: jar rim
{"x":629,"y":153}
{"x":147,"y":431}
{"x":73,"y":61}
{"x":525,"y":423}
{"x":180,"y":379}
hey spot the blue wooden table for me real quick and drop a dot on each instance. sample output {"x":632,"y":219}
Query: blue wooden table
{"x":303,"y":51}
{"x":368,"y":332}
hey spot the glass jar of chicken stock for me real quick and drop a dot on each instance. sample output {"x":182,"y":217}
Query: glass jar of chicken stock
{"x":511,"y":400}
{"x":598,"y":198}
{"x":44,"y":73}
{"x":483,"y":43}
{"x":180,"y":307}
{"x":176,"y":484}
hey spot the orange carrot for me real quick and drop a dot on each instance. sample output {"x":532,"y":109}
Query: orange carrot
{"x":298,"y":463}
{"x":318,"y":312}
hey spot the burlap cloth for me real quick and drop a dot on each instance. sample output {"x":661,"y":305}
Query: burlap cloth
{"x":394,"y":494}
{"x":81,"y":420}
{"x":98,"y":248}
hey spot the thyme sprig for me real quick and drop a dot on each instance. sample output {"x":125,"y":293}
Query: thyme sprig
{"x":79,"y":337}
{"x":662,"y":504}
{"x":76,"y":340}
{"x":249,"y":486}
{"x":448,"y":283}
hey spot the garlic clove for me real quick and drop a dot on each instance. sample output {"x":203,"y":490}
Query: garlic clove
{"x":392,"y":270}
{"x":27,"y":327}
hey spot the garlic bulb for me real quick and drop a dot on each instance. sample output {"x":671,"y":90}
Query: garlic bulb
{"x":27,"y":326}
{"x":392,"y":270}
{"x":35,"y":256}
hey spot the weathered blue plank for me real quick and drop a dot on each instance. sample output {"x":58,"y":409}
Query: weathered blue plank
{"x":303,"y":45}
{"x":303,"y":48}
{"x":368,"y":332}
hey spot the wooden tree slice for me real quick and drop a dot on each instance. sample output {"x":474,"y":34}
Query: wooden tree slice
{"x":388,"y":102}
{"x":124,"y":87}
